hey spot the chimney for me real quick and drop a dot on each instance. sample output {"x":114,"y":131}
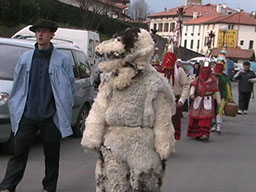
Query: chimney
{"x":195,"y":15}
{"x":165,"y":9}
{"x":253,"y":14}
{"x":219,"y":8}
{"x":194,"y":2}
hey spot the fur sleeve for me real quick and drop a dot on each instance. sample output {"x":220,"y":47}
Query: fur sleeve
{"x":163,"y":127}
{"x":95,"y":122}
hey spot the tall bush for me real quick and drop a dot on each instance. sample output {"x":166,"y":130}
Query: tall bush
{"x":14,"y":12}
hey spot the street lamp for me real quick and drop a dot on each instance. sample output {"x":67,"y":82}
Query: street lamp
{"x":209,"y":42}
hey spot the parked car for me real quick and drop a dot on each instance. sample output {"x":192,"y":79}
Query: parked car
{"x":188,"y":67}
{"x":10,"y":51}
{"x":253,"y":66}
{"x":200,"y":60}
{"x":237,"y":67}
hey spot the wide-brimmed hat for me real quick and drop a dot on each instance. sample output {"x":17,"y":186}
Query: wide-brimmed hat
{"x":44,"y":24}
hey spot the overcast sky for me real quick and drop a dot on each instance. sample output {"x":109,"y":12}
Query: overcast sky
{"x":159,"y":5}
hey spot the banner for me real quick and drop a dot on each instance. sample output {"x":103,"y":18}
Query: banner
{"x":228,"y":38}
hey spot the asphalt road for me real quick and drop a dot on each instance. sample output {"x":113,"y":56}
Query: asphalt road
{"x":226,"y":163}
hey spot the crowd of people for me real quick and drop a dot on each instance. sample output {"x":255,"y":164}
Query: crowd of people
{"x":208,"y":91}
{"x":136,"y":117}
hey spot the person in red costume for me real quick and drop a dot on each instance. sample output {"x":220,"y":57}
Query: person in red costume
{"x":179,"y":83}
{"x":225,"y":92}
{"x":204,"y":89}
{"x":168,"y":64}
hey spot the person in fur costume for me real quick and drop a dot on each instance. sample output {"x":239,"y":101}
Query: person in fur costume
{"x":130,"y":123}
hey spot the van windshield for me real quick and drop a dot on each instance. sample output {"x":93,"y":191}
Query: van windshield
{"x":9,"y":56}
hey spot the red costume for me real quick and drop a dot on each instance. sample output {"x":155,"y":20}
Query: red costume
{"x":202,"y":110}
{"x":168,"y":64}
{"x":180,"y":86}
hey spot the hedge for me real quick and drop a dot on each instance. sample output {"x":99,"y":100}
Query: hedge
{"x":73,"y":16}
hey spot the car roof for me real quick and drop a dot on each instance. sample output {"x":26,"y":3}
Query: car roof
{"x":200,"y":58}
{"x":31,"y":42}
{"x":186,"y":62}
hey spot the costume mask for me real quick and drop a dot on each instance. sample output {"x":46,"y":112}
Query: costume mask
{"x":169,"y":60}
{"x":205,"y":71}
{"x":219,"y":68}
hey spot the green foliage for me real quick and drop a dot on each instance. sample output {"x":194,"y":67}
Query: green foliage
{"x":79,"y":18}
{"x":14,"y":12}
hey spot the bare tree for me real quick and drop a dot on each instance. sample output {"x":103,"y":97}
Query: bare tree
{"x":139,"y":10}
{"x":96,"y":6}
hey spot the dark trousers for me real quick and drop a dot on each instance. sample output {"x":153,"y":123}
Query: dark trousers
{"x":243,"y":100}
{"x":50,"y":136}
{"x":176,"y":121}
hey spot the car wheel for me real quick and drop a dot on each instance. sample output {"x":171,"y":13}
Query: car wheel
{"x":8,"y":147}
{"x":80,"y":124}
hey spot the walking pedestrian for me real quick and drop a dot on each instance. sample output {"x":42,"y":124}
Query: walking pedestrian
{"x":41,"y":99}
{"x":179,"y":83}
{"x":245,"y":87}
{"x":225,"y":92}
{"x":204,"y":89}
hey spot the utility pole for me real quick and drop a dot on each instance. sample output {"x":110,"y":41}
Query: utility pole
{"x":180,"y":14}
{"x":209,"y":43}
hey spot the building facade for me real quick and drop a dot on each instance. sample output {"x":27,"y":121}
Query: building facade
{"x":165,"y":22}
{"x":233,"y":29}
{"x":237,"y":31}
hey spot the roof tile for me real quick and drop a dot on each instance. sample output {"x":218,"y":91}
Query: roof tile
{"x":235,"y":53}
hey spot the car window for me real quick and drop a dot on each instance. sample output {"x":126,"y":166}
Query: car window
{"x":83,"y":65}
{"x":9,"y":56}
{"x":188,"y":68}
{"x":75,"y":69}
{"x":91,"y":48}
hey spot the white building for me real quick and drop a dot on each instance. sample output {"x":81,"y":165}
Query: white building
{"x":165,"y":22}
{"x":236,"y":31}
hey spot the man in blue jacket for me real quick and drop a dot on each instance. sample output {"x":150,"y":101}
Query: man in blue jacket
{"x":41,"y":99}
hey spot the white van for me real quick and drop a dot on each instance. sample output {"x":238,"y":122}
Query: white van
{"x":83,"y":39}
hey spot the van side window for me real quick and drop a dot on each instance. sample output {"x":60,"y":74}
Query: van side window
{"x":83,"y":65}
{"x":69,"y":53}
{"x":91,"y":48}
{"x":96,"y":43}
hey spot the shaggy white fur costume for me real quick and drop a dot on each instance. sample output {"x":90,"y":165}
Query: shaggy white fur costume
{"x":130,"y":121}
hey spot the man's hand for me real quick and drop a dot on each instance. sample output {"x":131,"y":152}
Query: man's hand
{"x":180,"y":104}
{"x":192,"y":97}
